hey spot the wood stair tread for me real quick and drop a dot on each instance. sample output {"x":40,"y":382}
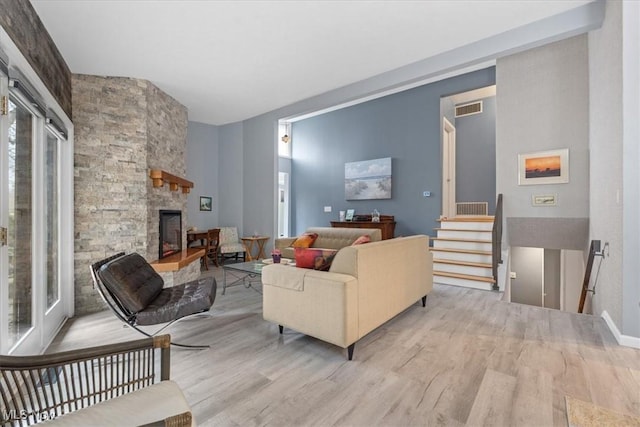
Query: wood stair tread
{"x":464,"y":276}
{"x":462,"y":251}
{"x":462,"y":263}
{"x":467,"y":219}
{"x":471,"y":230}
{"x":457,"y":239}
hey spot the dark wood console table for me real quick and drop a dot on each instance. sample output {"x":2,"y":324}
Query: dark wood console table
{"x":387,"y":224}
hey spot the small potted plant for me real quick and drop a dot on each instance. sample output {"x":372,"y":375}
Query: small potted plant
{"x":276,"y":255}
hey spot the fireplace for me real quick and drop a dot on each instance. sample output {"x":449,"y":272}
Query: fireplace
{"x":170,"y":233}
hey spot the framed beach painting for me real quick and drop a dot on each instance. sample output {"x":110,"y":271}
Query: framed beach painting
{"x":544,"y":167}
{"x":368,"y":179}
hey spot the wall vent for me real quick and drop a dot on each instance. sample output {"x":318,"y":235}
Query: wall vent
{"x":472,"y":209}
{"x":469,"y":109}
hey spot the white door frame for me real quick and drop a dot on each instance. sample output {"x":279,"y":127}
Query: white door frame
{"x":448,"y":169}
{"x":46,"y":322}
{"x":284,"y":191}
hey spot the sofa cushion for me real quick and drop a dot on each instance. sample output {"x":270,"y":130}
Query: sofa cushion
{"x":305,"y":240}
{"x":362,"y":239}
{"x":146,"y":405}
{"x":315,"y":258}
{"x":132,"y":280}
{"x":338,"y":238}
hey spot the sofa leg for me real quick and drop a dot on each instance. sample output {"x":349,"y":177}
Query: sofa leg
{"x":424,"y":301}
{"x":281,"y":329}
{"x":350,"y":351}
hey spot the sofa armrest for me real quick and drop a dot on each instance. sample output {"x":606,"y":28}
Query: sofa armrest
{"x":284,"y":242}
{"x":326,"y":308}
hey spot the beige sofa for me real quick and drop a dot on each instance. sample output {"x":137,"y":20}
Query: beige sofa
{"x":328,"y":238}
{"x":366,"y":286}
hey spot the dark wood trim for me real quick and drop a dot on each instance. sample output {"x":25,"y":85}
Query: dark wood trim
{"x":21,"y":22}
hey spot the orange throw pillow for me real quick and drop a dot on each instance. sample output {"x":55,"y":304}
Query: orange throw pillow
{"x":362,"y":239}
{"x":305,"y":240}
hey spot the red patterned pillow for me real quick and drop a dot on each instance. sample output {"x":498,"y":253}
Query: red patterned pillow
{"x":305,"y":240}
{"x":315,"y":258}
{"x":362,"y":239}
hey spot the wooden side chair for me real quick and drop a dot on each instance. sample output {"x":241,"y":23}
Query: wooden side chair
{"x":211,"y":247}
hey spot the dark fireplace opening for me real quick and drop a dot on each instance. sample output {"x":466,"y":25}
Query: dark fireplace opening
{"x":170,"y":233}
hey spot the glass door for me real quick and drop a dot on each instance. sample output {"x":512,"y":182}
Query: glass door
{"x":20,"y":224}
{"x":31,"y":302}
{"x":54,"y":310}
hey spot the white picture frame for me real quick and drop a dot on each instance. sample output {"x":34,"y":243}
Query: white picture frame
{"x":544,"y":167}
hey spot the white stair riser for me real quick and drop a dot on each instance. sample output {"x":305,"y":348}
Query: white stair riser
{"x":467,"y":225}
{"x":469,"y":246}
{"x":457,"y":256}
{"x":463,"y":269}
{"x":472,"y":234}
{"x":462,"y":282}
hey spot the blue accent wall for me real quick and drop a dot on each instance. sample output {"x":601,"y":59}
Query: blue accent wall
{"x":476,"y":156}
{"x":404,"y":126}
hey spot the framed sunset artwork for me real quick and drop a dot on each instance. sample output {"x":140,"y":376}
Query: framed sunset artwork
{"x":544,"y":167}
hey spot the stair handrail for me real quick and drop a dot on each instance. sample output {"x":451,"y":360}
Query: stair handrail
{"x":587,"y":274}
{"x":496,"y":241}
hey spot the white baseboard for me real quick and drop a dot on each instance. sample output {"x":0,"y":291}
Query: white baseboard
{"x":624,"y":340}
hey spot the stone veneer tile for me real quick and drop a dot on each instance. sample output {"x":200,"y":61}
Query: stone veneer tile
{"x":123,"y":128}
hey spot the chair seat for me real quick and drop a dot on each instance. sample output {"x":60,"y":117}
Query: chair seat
{"x":179,"y":301}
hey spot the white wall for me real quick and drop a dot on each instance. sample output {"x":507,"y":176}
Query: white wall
{"x":614,"y":57}
{"x":605,"y":69}
{"x":543,"y":104}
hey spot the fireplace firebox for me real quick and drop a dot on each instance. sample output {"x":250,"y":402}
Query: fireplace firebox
{"x":170,"y":233}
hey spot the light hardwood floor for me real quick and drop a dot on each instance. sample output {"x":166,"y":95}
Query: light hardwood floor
{"x":466,"y":359}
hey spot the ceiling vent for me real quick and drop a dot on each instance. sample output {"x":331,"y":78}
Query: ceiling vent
{"x":469,"y":109}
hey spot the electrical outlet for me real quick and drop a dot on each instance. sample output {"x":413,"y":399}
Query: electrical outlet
{"x":426,"y":194}
{"x":513,"y":275}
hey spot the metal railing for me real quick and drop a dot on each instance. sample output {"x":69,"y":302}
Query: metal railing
{"x":496,"y":241}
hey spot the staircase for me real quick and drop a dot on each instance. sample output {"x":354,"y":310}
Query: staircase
{"x":462,"y":252}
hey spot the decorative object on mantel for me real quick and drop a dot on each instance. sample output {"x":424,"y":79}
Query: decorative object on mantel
{"x":159,"y":177}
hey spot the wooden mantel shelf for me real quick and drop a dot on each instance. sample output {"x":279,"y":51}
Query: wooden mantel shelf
{"x":177,"y":261}
{"x":159,"y":177}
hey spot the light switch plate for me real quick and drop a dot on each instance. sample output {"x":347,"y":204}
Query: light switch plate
{"x":327,"y":208}
{"x":513,"y":275}
{"x":426,"y":194}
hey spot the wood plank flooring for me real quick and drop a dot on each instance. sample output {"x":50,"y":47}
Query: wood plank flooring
{"x":468,"y":358}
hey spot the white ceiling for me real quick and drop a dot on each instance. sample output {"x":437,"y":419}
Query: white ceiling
{"x":227,"y":61}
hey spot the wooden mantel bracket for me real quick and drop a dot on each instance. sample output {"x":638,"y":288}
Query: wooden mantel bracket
{"x":159,"y":177}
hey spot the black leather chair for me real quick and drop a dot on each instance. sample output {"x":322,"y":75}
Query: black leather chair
{"x":135,"y":292}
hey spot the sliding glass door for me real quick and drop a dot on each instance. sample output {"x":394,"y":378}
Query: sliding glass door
{"x":20,"y":215}
{"x":32,"y":306}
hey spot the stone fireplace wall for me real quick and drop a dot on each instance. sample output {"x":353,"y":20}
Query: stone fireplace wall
{"x":166,"y":147}
{"x":123,"y":128}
